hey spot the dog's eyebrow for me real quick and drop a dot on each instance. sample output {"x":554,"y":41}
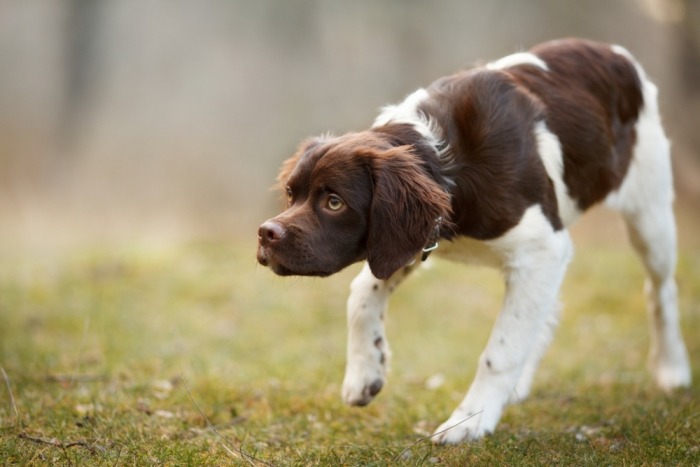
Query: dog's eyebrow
{"x":304,"y":166}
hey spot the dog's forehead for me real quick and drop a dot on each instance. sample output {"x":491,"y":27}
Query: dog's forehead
{"x":310,"y":155}
{"x":304,"y":161}
{"x":337,"y":155}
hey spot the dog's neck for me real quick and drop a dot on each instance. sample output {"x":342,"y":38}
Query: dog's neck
{"x":431,"y":151}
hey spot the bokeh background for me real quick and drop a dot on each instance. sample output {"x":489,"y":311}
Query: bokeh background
{"x":159,"y":120}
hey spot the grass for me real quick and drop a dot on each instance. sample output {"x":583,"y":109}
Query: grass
{"x":195,"y":356}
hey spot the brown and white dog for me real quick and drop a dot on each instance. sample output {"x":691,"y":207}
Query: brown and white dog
{"x":495,"y":163}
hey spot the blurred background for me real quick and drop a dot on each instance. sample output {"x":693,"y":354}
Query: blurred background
{"x":132,"y":120}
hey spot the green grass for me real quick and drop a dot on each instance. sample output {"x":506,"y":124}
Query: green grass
{"x":126,"y":358}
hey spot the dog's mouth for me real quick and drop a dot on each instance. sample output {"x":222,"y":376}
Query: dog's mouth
{"x":267,"y":258}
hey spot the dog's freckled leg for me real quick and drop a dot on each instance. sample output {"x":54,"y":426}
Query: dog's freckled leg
{"x":367,"y":348}
{"x":379,"y":344}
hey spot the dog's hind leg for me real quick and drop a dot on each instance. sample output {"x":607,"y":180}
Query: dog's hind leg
{"x":652,"y":233}
{"x":645,"y":199}
{"x":367,"y":347}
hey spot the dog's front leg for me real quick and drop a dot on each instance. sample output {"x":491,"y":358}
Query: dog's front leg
{"x":367,"y":348}
{"x":533,"y":275}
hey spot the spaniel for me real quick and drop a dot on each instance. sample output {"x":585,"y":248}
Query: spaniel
{"x":493,"y":165}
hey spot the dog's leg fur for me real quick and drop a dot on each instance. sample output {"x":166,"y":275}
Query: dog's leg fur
{"x":645,"y":199}
{"x":653,"y":236}
{"x":368,"y":351}
{"x":535,"y":259}
{"x":544,"y":338}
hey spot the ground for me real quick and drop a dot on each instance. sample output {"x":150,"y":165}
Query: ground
{"x":193,"y":355}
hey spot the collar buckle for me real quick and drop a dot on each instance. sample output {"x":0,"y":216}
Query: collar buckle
{"x":432,"y":244}
{"x":428,"y":249}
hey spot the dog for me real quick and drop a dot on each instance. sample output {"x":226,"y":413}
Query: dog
{"x":492,"y":164}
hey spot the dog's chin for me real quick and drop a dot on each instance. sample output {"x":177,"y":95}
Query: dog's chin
{"x":282,"y":269}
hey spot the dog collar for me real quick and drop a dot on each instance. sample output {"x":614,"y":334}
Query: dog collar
{"x":432,"y":240}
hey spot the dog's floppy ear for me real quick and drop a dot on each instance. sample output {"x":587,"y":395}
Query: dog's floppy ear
{"x":405,"y":206}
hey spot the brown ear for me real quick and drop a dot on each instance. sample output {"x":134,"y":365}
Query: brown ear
{"x":404,"y":210}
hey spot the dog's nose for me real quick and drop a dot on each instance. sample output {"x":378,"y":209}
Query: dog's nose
{"x":269,"y":232}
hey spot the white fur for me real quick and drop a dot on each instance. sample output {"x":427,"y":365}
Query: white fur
{"x":407,"y":112}
{"x":520,"y":58}
{"x":549,"y":148}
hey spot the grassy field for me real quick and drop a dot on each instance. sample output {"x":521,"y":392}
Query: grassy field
{"x":195,"y":356}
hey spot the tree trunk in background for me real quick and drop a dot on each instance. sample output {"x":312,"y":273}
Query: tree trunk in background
{"x":687,"y":37}
{"x":82,"y":24}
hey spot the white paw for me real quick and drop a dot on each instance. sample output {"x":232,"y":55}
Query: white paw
{"x":671,"y":373}
{"x":360,"y":388}
{"x":365,"y":376}
{"x":466,"y":426}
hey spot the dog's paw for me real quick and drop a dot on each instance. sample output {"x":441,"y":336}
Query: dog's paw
{"x":360,"y":392}
{"x":364,"y":378}
{"x":465,"y":425}
{"x":365,"y":373}
{"x":671,"y":373}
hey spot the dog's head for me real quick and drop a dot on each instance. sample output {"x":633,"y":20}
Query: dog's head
{"x":351,"y":198}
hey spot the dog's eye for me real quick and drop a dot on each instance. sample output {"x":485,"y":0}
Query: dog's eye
{"x":334,"y":203}
{"x":290,"y":195}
